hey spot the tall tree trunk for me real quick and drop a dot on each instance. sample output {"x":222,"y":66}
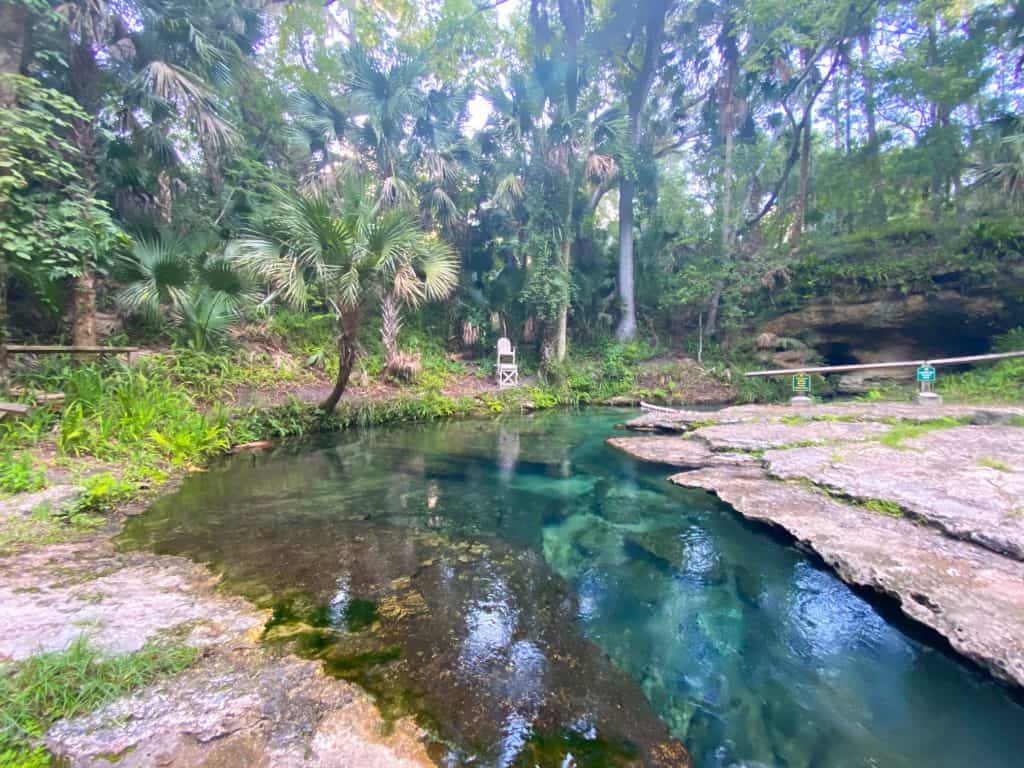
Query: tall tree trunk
{"x":83,"y":328}
{"x":84,"y":79}
{"x":5,"y":379}
{"x":874,"y":158}
{"x":800,"y":219}
{"x":727,"y":125}
{"x":562,"y":333}
{"x":13,"y":31}
{"x":83,"y":287}
{"x":348,"y":344}
{"x":654,"y":32}
{"x":935,"y":120}
{"x":626,"y":330}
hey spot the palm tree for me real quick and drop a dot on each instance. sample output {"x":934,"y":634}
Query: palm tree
{"x":166,"y":55}
{"x":406,"y":134}
{"x":355,"y":249}
{"x":1001,"y":170}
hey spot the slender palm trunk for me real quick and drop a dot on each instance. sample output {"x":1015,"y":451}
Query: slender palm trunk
{"x":348,"y":340}
{"x":390,"y":326}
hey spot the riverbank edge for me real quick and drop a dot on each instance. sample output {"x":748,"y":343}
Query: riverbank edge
{"x":929,"y":575}
{"x":300,"y":419}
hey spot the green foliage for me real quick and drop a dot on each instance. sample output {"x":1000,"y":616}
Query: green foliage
{"x":883,"y":507}
{"x":213,"y":376}
{"x":49,"y":686}
{"x":102,"y":491}
{"x":311,"y":336}
{"x":127,"y":414}
{"x":1001,"y":381}
{"x":18,"y":473}
{"x":293,"y":419}
{"x":186,"y":282}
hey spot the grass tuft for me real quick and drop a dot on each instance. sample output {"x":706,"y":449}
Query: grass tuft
{"x":908,"y":430}
{"x":47,"y":687}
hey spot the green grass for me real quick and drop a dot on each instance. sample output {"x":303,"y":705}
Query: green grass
{"x":991,"y":463}
{"x":908,"y":430}
{"x":39,"y":691}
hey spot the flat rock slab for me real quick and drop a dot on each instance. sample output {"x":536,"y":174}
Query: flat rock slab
{"x":968,"y":481}
{"x":968,"y":594}
{"x":676,"y":452}
{"x":756,"y":436}
{"x":681,"y":420}
{"x":239,"y":705}
{"x":57,"y":499}
{"x":236,"y":708}
{"x":52,"y":596}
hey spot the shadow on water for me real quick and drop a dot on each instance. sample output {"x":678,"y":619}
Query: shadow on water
{"x":529,"y":593}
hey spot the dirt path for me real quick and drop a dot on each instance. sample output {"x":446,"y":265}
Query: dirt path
{"x":923,"y":504}
{"x":238,"y":705}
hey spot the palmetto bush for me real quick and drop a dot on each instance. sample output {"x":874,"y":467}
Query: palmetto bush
{"x":186,"y":282}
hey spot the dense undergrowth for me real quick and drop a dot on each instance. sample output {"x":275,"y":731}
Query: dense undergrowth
{"x":902,"y":257}
{"x":46,"y":687}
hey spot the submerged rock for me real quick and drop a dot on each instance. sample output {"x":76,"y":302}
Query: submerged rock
{"x":676,"y":452}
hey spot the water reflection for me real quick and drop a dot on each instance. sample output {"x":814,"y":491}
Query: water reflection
{"x":535,"y":596}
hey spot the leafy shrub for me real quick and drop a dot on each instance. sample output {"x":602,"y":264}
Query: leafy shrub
{"x":18,"y":473}
{"x":131,"y":415}
{"x":293,"y":419}
{"x":1001,"y":381}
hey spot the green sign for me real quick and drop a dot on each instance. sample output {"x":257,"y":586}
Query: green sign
{"x":926,"y":373}
{"x":802,"y":382}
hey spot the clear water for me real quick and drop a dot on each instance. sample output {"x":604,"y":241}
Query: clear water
{"x":530,"y":593}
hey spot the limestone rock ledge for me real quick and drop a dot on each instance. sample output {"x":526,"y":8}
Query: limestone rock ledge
{"x":970,"y":593}
{"x":971,"y":596}
{"x":238,"y":705}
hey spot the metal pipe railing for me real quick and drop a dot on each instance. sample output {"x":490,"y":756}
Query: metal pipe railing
{"x":899,"y":364}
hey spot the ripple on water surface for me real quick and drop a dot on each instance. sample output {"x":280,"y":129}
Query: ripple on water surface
{"x":530,"y":593}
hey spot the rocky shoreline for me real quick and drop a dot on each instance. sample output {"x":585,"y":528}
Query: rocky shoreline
{"x":925,"y":505}
{"x":238,"y":704}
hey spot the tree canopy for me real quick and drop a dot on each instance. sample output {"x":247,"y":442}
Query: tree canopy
{"x":592,"y":167}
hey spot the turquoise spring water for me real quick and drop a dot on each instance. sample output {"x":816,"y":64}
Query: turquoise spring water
{"x":530,"y":593}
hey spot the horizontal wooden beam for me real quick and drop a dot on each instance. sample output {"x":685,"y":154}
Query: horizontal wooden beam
{"x":36,"y":349}
{"x":898,"y":364}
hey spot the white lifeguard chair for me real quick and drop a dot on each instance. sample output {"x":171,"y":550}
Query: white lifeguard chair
{"x":507,"y":370}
